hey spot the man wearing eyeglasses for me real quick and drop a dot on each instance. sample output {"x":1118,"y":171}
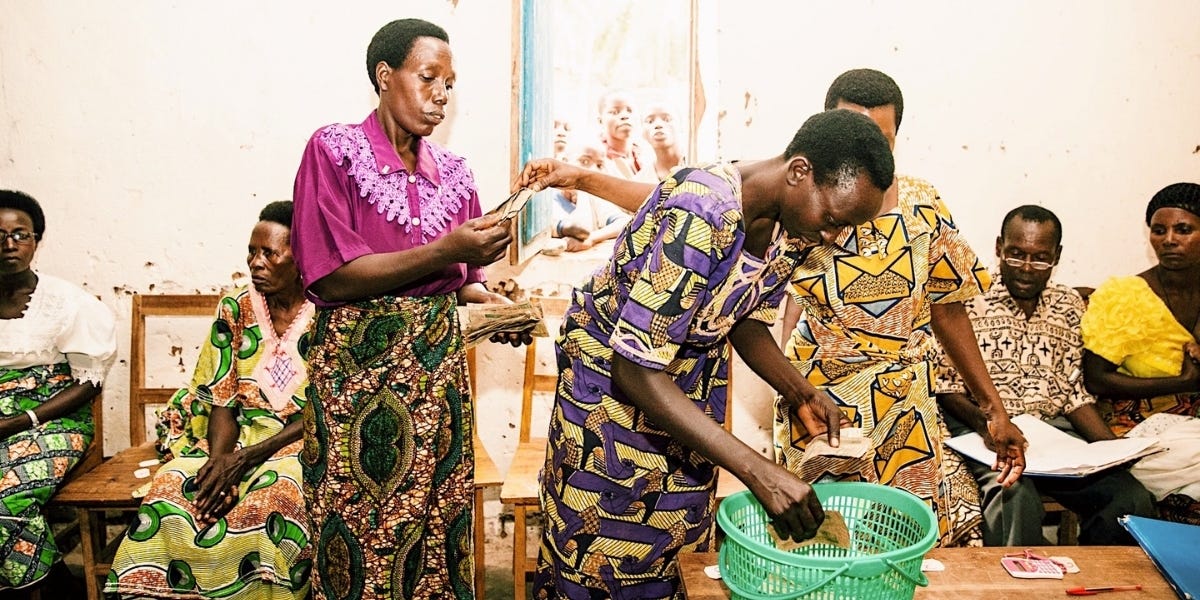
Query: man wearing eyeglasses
{"x":1028,"y":334}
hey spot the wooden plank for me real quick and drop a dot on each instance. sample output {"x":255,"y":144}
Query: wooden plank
{"x":149,"y":306}
{"x":179,"y":305}
{"x":487,"y":475}
{"x":137,"y":371}
{"x":109,"y":485}
{"x":528,"y":383}
{"x":975,"y":573}
{"x":521,"y":485}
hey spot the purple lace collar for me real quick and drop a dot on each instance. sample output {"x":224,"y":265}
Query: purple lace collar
{"x":443,"y":181}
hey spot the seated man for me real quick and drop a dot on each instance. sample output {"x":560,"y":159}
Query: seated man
{"x":582,"y":219}
{"x":1028,"y":334}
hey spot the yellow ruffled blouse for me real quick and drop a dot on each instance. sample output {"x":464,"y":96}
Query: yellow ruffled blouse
{"x":1127,"y":324}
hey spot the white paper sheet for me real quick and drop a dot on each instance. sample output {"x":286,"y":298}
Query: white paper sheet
{"x":1054,"y":452}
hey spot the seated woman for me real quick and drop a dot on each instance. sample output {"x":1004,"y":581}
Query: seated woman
{"x":56,"y":344}
{"x":225,"y":518}
{"x":1139,"y":335}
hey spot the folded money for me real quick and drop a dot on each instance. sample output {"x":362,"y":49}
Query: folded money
{"x":485,"y":320}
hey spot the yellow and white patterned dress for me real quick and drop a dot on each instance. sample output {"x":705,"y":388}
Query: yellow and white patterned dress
{"x":865,"y":337}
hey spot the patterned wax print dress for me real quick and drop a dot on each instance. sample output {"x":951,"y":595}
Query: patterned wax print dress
{"x":388,"y":459}
{"x":621,"y":497}
{"x":865,"y":337}
{"x":260,"y":548}
{"x":66,"y":336}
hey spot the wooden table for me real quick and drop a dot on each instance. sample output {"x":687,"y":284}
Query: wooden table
{"x":976,"y":573}
{"x":108,"y":486}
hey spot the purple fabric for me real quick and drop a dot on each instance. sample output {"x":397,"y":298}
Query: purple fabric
{"x":354,"y":196}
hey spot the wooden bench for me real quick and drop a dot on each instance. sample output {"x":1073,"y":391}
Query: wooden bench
{"x":109,"y":486}
{"x":521,"y":485}
{"x":487,"y":476}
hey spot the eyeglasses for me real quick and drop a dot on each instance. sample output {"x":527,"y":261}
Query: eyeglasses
{"x":1036,"y":265}
{"x":18,"y":237}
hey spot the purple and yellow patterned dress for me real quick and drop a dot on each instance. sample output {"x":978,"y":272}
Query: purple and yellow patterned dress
{"x":621,"y":497}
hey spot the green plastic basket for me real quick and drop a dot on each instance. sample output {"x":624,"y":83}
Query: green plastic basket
{"x":890,"y":532}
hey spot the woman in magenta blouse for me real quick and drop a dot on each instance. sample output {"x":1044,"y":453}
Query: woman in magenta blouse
{"x":389,"y":239}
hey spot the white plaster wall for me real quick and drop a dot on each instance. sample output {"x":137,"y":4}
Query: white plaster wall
{"x":1087,"y":108}
{"x":154,"y":131}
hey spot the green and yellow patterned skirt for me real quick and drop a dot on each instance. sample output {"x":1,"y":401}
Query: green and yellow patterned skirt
{"x":34,"y":463}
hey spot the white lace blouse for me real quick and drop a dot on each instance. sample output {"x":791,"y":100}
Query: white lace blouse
{"x":62,"y":323}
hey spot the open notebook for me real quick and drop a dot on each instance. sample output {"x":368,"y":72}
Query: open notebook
{"x":1172,"y":547}
{"x":1053,"y":452}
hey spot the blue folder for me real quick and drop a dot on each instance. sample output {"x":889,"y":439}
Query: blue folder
{"x":1172,"y":547}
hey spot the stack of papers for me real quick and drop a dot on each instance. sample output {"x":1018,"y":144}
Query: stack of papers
{"x":1053,"y":452}
{"x":482,"y":321}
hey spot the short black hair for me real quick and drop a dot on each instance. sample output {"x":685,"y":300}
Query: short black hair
{"x":867,"y":88}
{"x":393,"y":42}
{"x":840,"y":142}
{"x":607,"y":95}
{"x":277,"y":212}
{"x":1177,"y":195}
{"x":25,"y":203}
{"x":1035,"y":214}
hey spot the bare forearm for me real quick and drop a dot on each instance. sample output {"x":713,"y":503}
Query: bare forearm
{"x":67,"y":401}
{"x":222,"y":430}
{"x":962,"y":408}
{"x":1102,"y":379}
{"x":953,"y":329}
{"x":757,"y":348}
{"x":1087,"y":422}
{"x":259,"y":453}
{"x":665,"y":405}
{"x":625,"y":193}
{"x":374,"y":274}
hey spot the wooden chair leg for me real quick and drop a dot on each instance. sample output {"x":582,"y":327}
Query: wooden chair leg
{"x":91,"y":542}
{"x":519,"y":552}
{"x":480,"y":565}
{"x":1068,"y":529}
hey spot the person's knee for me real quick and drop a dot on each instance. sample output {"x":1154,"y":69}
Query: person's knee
{"x":1129,"y":497}
{"x":1136,"y":500}
{"x":1022,"y":497}
{"x":1025,"y":493}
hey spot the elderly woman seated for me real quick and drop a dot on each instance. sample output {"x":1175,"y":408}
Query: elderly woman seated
{"x":225,"y":518}
{"x":1140,"y":335}
{"x":56,"y":344}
